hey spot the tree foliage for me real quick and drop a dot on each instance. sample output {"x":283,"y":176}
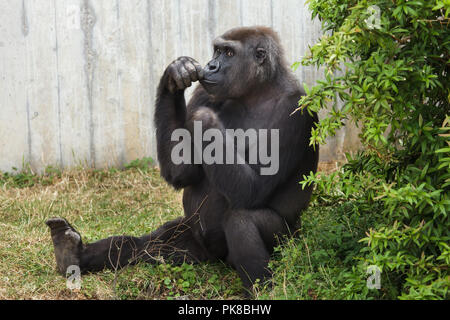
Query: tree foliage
{"x":386,"y":68}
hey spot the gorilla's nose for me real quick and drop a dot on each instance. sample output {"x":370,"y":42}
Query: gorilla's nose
{"x":212,"y":67}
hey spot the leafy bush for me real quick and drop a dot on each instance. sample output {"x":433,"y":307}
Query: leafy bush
{"x":387,"y":69}
{"x":320,"y":262}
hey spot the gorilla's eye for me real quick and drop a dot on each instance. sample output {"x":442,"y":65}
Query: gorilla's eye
{"x":229,"y":53}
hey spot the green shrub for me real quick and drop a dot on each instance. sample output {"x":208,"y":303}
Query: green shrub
{"x":391,"y":77}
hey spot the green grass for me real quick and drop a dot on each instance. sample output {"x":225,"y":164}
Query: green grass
{"x":135,"y":201}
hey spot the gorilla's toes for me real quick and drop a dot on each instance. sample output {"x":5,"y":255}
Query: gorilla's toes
{"x":67,"y":243}
{"x":56,"y":223}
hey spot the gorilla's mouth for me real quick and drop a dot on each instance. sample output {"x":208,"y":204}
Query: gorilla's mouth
{"x":209,"y":85}
{"x":209,"y":82}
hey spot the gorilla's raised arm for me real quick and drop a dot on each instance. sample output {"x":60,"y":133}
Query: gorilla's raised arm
{"x":170,"y":114}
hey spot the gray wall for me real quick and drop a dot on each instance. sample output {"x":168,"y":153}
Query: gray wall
{"x":78,"y":77}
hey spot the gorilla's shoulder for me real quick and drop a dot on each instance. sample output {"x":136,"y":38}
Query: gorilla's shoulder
{"x":289,"y":104}
{"x":291,"y":98}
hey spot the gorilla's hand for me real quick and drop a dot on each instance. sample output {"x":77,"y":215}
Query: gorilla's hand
{"x":181,"y":73}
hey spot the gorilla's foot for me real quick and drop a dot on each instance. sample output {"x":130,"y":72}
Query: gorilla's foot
{"x":67,"y":244}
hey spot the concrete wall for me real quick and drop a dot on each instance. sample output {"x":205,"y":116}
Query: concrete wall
{"x":78,"y":77}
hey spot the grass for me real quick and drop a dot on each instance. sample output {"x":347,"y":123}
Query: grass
{"x":98,"y":204}
{"x":134,"y":201}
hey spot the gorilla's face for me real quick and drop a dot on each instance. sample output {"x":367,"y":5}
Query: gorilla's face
{"x":232,"y":70}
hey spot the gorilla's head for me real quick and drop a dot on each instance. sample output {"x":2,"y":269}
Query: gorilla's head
{"x":244,"y":59}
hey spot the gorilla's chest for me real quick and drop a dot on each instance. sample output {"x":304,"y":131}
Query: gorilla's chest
{"x":236,"y":116}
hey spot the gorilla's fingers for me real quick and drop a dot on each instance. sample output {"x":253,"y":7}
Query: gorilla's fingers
{"x":182,"y":72}
{"x":184,"y":76}
{"x":174,"y":74}
{"x":189,"y":66}
{"x":199,"y":69}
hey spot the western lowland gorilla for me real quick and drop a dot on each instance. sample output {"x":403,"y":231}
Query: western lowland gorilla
{"x":232,"y":211}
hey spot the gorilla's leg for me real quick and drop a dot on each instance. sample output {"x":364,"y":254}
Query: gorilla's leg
{"x":251,"y":236}
{"x":173,"y":241}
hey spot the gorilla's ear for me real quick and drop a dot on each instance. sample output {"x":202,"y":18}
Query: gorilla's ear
{"x":261,"y":55}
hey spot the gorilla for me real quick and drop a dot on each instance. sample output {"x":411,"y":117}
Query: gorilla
{"x":232,"y":212}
